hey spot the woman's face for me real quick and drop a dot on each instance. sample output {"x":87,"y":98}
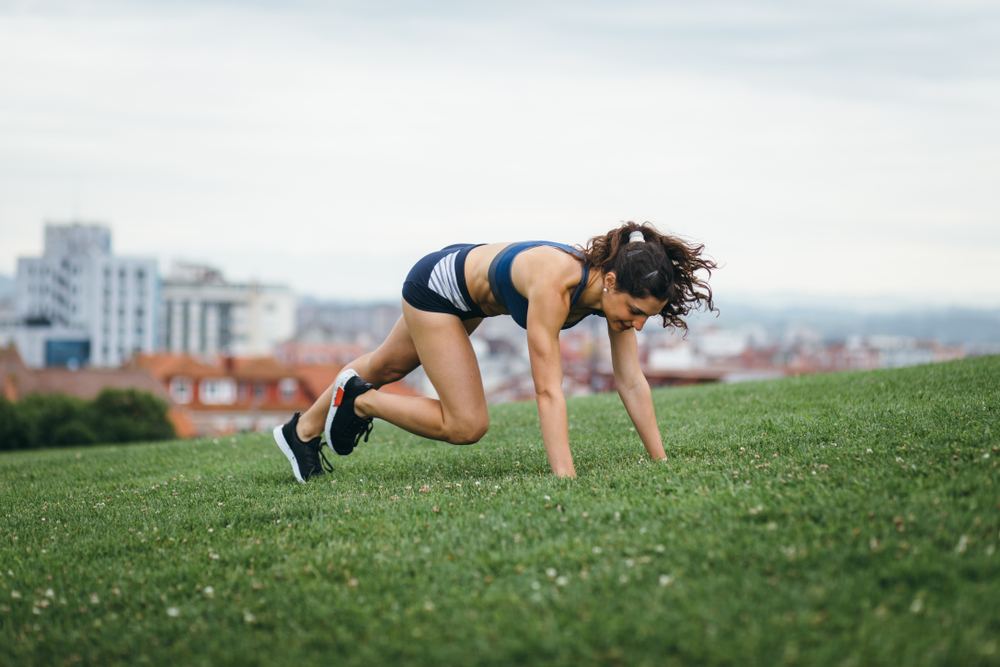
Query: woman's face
{"x":624,"y":311}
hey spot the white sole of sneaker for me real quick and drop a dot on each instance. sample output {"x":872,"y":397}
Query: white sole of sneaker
{"x":338,"y":388}
{"x":279,"y":440}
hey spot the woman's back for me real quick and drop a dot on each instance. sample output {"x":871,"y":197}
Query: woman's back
{"x":499,"y":275}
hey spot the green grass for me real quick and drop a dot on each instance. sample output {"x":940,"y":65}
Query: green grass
{"x":847,"y":519}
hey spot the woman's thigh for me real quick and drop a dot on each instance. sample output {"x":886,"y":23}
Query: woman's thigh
{"x":443,"y":347}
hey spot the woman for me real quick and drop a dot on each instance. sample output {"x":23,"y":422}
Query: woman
{"x":628,"y":275}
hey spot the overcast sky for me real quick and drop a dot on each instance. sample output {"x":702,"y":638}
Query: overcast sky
{"x":845,"y":150}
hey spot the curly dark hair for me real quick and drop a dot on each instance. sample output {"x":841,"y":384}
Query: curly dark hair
{"x":663,"y":266}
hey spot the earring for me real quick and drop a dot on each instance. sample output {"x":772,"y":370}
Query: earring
{"x":605,"y":289}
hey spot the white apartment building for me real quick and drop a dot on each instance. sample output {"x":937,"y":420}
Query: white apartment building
{"x":80,"y":305}
{"x":204,"y":315}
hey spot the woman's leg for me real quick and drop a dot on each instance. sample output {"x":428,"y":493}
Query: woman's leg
{"x":393,"y":360}
{"x":442,"y":345}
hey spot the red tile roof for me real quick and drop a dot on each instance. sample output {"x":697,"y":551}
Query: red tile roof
{"x":88,"y":383}
{"x":165,"y":366}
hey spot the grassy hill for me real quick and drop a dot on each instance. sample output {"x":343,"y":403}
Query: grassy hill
{"x":847,"y":519}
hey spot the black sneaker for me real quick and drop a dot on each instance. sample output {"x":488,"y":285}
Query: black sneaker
{"x":346,"y":428}
{"x":307,"y":458}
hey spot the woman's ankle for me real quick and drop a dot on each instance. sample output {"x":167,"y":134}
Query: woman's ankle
{"x":363,"y":404}
{"x":306,"y":431}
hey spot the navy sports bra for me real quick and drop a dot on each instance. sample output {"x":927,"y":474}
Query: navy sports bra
{"x":503,"y":287}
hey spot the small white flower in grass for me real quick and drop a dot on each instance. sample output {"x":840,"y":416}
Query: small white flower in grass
{"x":546,"y":497}
{"x":917,"y":605}
{"x":623,"y":579}
{"x":535,"y":585}
{"x":428,"y":605}
{"x":248,"y":617}
{"x":660,"y":548}
{"x":208,"y":591}
{"x":94,"y":599}
{"x":15,"y":595}
{"x":551,"y":573}
{"x":213,"y":555}
{"x":49,"y":593}
{"x":963,"y":544}
{"x":173,"y":612}
{"x":666,"y":580}
{"x":629,"y":562}
{"x":596,"y":550}
{"x":562,"y":580}
{"x":868,"y":451}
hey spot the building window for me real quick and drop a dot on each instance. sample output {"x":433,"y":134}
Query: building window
{"x":180,"y":389}
{"x":259,"y":390}
{"x":218,"y":391}
{"x":287,"y":388}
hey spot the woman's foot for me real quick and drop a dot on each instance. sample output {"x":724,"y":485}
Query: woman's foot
{"x":344,"y":427}
{"x":306,"y":458}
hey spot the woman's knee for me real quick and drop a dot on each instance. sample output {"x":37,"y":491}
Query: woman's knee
{"x":467,"y":431}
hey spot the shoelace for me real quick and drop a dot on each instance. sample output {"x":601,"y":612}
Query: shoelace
{"x":318,"y":460}
{"x":323,"y":460}
{"x":364,"y":430}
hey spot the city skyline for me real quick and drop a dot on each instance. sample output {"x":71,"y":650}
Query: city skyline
{"x":827,"y":152}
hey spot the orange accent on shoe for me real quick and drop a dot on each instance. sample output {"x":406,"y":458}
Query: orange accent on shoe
{"x":339,"y":398}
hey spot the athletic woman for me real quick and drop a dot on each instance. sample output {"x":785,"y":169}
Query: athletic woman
{"x":628,"y":275}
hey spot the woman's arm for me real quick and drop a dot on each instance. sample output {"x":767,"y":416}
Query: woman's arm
{"x":547,"y":310}
{"x":634,"y":390}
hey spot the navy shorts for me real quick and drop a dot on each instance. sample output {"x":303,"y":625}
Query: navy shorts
{"x":436,"y":283}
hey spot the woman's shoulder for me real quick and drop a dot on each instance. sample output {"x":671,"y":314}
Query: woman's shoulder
{"x":550,"y":264}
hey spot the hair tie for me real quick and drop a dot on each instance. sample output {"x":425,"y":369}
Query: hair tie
{"x":636,"y":237}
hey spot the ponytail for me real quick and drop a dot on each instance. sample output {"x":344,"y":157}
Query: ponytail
{"x":662,"y":266}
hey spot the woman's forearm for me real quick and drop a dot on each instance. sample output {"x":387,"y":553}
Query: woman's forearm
{"x":555,"y":432}
{"x":638,"y":401}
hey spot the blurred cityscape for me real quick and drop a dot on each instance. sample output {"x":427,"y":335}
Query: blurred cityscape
{"x":230,"y":355}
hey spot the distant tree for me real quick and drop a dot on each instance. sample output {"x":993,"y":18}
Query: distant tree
{"x":15,"y":432}
{"x":75,"y":432}
{"x":127,"y":415}
{"x":49,"y":417}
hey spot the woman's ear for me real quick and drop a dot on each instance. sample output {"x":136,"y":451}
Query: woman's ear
{"x":610,"y":280}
